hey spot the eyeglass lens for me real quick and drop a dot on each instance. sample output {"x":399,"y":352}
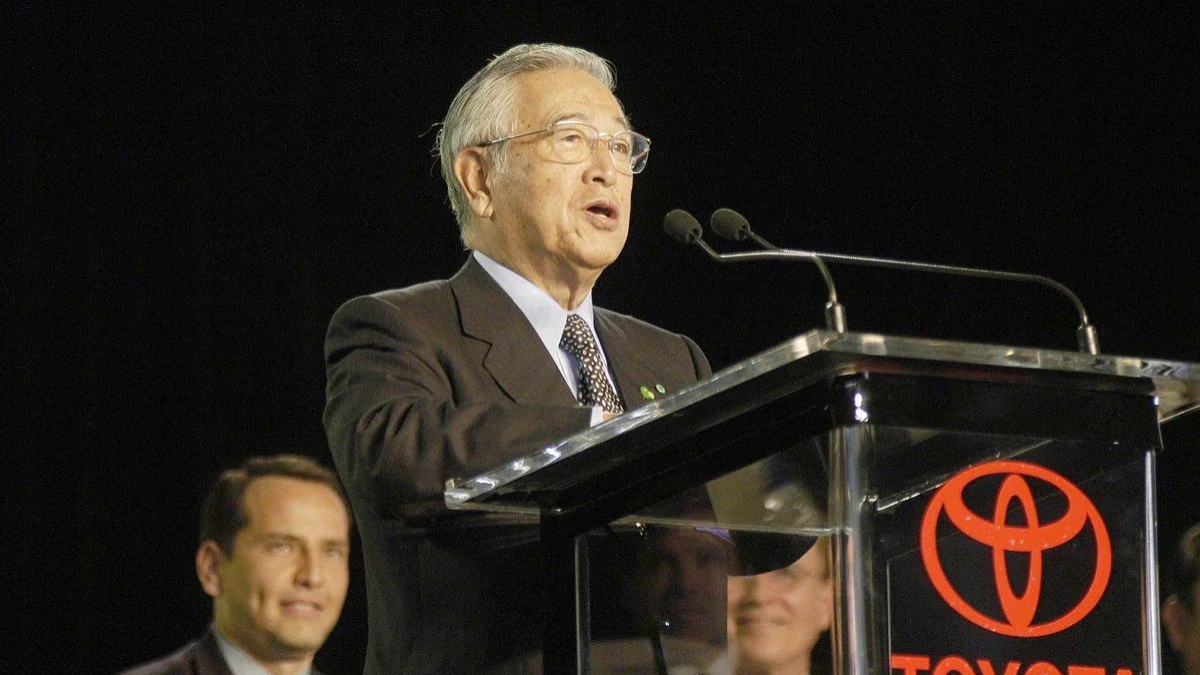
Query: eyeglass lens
{"x":573,"y":143}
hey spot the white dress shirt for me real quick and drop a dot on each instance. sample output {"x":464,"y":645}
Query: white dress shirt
{"x":548,"y":319}
{"x":239,"y":662}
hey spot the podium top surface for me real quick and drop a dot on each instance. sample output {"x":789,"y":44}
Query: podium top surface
{"x":820,"y":355}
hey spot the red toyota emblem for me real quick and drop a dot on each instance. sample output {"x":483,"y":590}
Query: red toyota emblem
{"x":1032,"y":537}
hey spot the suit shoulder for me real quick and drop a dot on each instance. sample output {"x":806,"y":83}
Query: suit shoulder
{"x":431,"y":301}
{"x":413,"y":293}
{"x":643,"y":337}
{"x":181,"y":662}
{"x":636,"y":325}
{"x":199,"y":657}
{"x":401,"y":297}
{"x":646,"y":332}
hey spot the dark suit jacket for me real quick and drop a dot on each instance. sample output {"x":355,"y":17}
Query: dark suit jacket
{"x":202,"y":657}
{"x":448,"y":379}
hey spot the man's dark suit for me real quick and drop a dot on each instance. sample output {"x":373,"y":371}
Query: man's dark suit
{"x":449,"y":379}
{"x":202,"y":657}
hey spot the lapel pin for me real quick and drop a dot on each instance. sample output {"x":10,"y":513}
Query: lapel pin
{"x":649,"y":394}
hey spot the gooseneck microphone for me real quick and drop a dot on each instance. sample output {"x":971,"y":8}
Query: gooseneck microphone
{"x":683,"y":227}
{"x":732,"y":225}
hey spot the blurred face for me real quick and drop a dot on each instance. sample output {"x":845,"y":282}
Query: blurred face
{"x":280,"y":592}
{"x":777,"y":617}
{"x":1183,"y":630}
{"x":558,"y":223}
{"x":687,"y":585}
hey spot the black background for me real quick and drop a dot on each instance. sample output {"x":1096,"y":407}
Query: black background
{"x":191,"y":189}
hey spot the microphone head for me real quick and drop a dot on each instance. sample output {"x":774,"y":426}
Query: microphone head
{"x":730,"y":224}
{"x":682,"y":226}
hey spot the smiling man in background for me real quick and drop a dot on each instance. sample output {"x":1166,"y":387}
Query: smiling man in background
{"x":274,"y":556}
{"x":777,"y":617}
{"x":1181,"y":612}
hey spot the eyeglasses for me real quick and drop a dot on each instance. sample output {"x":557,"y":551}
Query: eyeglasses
{"x":575,"y":142}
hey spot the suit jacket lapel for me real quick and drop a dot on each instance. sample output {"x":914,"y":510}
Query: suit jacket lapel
{"x":208,"y":656}
{"x":624,"y":360}
{"x":515,"y":358}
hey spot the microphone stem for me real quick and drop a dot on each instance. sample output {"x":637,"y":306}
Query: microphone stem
{"x":732,"y":225}
{"x":835,"y":313}
{"x":824,"y":269}
{"x":1089,"y":342}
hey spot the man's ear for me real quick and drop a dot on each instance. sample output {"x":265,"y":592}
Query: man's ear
{"x":208,"y":567}
{"x":1175,"y":618}
{"x":472,"y":169}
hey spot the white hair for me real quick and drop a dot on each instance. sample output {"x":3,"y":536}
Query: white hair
{"x":484,"y":108}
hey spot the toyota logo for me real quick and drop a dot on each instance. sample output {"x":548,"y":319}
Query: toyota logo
{"x":1032,"y":538}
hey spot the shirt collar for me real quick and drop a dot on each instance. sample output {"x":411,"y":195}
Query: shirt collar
{"x":547,"y":316}
{"x":239,"y":662}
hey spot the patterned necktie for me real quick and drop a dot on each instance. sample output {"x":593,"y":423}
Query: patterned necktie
{"x":594,"y":387}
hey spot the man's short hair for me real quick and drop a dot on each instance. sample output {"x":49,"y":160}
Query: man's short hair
{"x":224,"y":515}
{"x":484,"y":108}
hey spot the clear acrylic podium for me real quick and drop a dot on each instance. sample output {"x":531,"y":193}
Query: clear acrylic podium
{"x":985,"y":506}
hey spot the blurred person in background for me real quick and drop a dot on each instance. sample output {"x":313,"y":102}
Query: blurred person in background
{"x":274,"y":556}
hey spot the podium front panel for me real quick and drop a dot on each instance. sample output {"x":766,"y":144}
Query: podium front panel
{"x":1038,"y":558}
{"x":982,"y":510}
{"x":1032,"y":553}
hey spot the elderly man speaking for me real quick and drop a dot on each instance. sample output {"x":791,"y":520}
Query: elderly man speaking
{"x":451,"y":378}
